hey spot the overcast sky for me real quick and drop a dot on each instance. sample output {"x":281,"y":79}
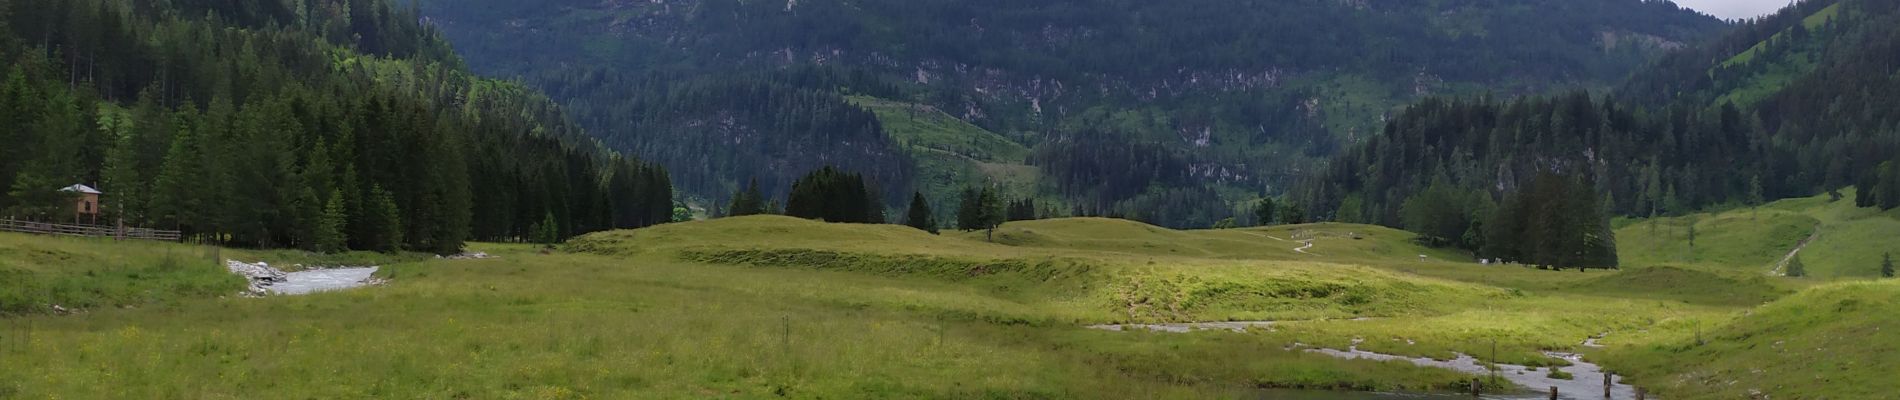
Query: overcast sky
{"x":1735,"y":9}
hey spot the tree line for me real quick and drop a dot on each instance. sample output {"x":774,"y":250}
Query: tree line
{"x":718,"y":135}
{"x":831,"y":194}
{"x":323,"y":125}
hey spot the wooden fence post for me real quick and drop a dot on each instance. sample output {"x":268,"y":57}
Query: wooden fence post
{"x":1553,"y":393}
{"x":1606,"y":384}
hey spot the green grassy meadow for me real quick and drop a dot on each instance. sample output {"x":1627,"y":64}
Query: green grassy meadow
{"x":767,"y":307}
{"x":1850,"y":243}
{"x":953,"y":154}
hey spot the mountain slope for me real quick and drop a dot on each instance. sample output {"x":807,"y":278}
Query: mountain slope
{"x":1789,"y":106}
{"x":1247,"y":93}
{"x":324,"y":125}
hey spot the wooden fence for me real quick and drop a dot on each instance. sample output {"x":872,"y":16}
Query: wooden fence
{"x":43,"y":228}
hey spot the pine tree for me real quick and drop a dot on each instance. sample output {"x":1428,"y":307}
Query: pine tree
{"x":989,"y":212}
{"x":681,"y":212}
{"x":968,"y":215}
{"x":1796,"y":268}
{"x":547,"y":232}
{"x":1021,"y":210}
{"x":18,"y":108}
{"x":1887,"y":192}
{"x":1292,"y":214}
{"x":331,"y":226}
{"x":1263,"y":212}
{"x":920,"y":216}
{"x":1886,"y":265}
{"x":831,"y":195}
{"x":175,"y":199}
{"x":1755,"y":196}
{"x":748,"y":202}
{"x":122,"y":174}
{"x":445,"y":196}
{"x":307,"y":212}
{"x":383,"y":220}
{"x":57,"y":162}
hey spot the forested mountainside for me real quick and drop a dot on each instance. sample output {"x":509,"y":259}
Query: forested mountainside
{"x":1812,"y":105}
{"x":326,"y":125}
{"x":1245,"y":96}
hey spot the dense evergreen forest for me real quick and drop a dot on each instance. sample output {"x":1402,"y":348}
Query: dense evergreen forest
{"x":716,"y":133}
{"x":1247,"y":96}
{"x":325,"y":125}
{"x":1808,"y":108}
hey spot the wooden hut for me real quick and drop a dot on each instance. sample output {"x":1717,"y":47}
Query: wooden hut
{"x":86,"y":204}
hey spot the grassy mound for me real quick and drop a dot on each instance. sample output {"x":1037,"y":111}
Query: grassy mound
{"x":1114,"y":270}
{"x":1686,"y":285}
{"x":952,"y":154}
{"x":1331,"y":242}
{"x":1831,"y":342}
{"x":1743,"y":240}
{"x":770,"y":231}
{"x":39,"y":272}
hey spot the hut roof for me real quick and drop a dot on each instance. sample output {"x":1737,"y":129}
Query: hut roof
{"x":81,"y":189}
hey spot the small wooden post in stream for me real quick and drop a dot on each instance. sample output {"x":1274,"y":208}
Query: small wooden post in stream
{"x":1606,"y":384}
{"x":1474,"y":388}
{"x":1640,"y":393}
{"x":1553,"y":393}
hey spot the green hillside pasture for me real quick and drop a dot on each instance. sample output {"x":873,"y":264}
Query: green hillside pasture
{"x":1832,"y":342}
{"x":528,"y":325}
{"x":1337,"y":243}
{"x":1851,"y":242}
{"x":952,"y":154}
{"x":770,"y":306}
{"x":927,"y":127}
{"x":39,"y":272}
{"x":1742,"y":240}
{"x":1086,"y":285}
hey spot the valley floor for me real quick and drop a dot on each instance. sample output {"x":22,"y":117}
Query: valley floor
{"x":777,"y":307}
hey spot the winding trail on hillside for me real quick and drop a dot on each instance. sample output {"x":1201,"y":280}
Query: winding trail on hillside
{"x":1302,"y":249}
{"x":1777,"y":271}
{"x":1305,"y":244}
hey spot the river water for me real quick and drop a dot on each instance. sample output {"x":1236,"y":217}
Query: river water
{"x":1586,"y":382}
{"x":322,"y":280}
{"x":1293,"y":394}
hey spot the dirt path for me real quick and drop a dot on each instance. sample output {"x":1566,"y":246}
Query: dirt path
{"x":1302,"y":249}
{"x":1797,"y":251}
{"x":1304,"y":244}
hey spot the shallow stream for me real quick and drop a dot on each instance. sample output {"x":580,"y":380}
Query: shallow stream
{"x":1586,"y":382}
{"x":322,"y":280}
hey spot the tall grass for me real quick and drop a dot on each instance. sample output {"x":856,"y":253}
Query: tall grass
{"x":777,"y":307}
